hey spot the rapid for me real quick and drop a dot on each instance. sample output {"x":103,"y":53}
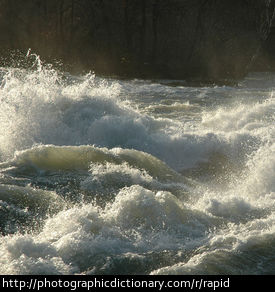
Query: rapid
{"x":109,"y":176}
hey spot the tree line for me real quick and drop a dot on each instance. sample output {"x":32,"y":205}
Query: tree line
{"x":175,"y":38}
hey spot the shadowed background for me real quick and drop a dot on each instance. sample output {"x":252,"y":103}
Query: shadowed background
{"x":179,"y":39}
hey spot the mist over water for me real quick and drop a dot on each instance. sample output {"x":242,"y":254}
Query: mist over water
{"x":106,"y":176}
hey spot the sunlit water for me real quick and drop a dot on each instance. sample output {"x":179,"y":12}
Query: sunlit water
{"x":104,"y":176}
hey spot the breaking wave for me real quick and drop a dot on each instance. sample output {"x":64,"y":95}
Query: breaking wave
{"x":104,"y":176}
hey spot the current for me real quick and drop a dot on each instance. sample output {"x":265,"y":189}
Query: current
{"x":109,"y":176}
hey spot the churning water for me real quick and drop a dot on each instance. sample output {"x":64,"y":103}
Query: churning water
{"x":105,"y":176}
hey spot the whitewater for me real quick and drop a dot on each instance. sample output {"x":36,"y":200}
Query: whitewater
{"x":109,"y":176}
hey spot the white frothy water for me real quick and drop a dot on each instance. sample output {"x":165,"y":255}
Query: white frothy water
{"x":102,"y":176}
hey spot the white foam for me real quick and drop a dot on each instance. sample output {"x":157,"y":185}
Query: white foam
{"x":238,"y":249}
{"x":49,"y":124}
{"x":40,"y":107}
{"x":80,"y":238}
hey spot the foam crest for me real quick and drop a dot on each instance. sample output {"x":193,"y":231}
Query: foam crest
{"x":261,"y":166}
{"x":65,"y":158}
{"x":136,"y":206}
{"x":42,"y":107}
{"x":81,"y":238}
{"x":29,"y":257}
{"x":45,"y":107}
{"x":239,"y":249}
{"x":249,"y":195}
{"x":250,"y":117}
{"x":109,"y":177}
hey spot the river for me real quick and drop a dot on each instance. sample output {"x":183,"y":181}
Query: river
{"x":108,"y":176}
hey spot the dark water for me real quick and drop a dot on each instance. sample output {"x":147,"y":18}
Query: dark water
{"x":103,"y":176}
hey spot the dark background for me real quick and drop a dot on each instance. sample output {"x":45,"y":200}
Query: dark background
{"x":205,"y":40}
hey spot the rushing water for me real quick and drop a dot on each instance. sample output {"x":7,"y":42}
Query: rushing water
{"x":105,"y":176}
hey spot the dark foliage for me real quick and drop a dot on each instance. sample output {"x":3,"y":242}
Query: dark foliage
{"x":180,"y":39}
